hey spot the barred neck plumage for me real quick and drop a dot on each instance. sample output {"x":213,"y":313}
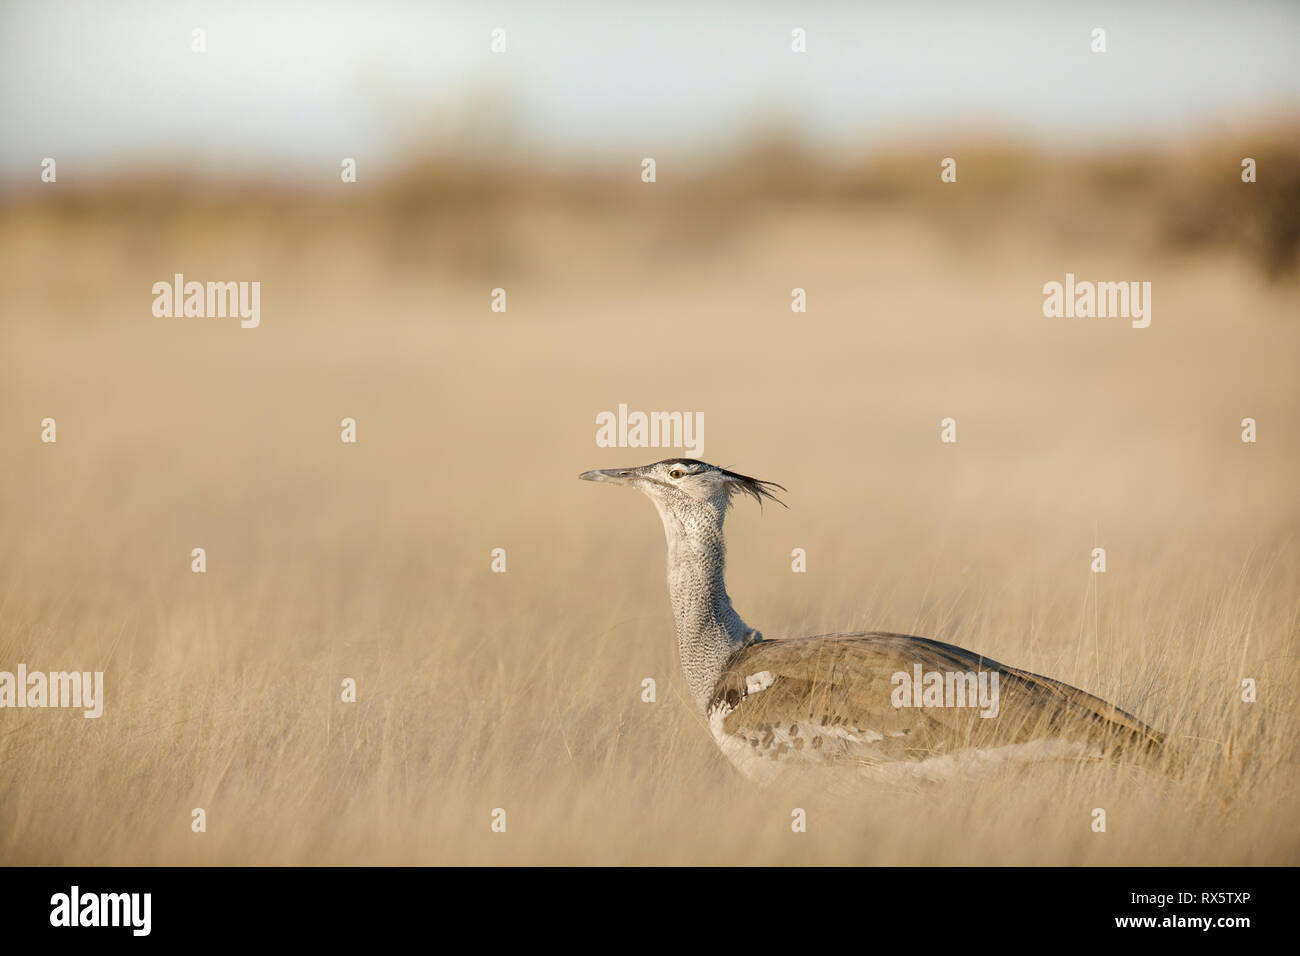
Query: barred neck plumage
{"x":709,"y":631}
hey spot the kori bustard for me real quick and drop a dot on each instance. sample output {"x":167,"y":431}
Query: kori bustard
{"x":879,"y":704}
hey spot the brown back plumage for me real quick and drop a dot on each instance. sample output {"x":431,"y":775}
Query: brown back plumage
{"x":831,"y":698}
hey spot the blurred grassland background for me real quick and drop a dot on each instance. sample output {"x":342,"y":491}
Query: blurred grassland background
{"x":522,"y":690}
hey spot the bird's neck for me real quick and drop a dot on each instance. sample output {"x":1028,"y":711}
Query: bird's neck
{"x":709,"y":631}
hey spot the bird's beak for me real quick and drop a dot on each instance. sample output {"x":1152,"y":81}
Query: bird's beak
{"x":620,"y":476}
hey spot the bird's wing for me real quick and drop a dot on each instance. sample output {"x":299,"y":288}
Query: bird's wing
{"x":835,"y":697}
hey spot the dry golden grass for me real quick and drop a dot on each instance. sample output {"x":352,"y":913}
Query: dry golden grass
{"x":522,"y":690}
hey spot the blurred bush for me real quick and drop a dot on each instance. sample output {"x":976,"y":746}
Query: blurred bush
{"x":457,"y":210}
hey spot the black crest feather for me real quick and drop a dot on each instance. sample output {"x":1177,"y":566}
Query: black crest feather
{"x":756,"y":488}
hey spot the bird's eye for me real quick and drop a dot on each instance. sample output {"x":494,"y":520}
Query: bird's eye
{"x":676,"y":473}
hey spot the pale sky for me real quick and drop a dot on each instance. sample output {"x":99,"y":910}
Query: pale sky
{"x":292,"y":87}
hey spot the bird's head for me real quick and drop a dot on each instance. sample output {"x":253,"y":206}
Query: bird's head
{"x":681,"y":486}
